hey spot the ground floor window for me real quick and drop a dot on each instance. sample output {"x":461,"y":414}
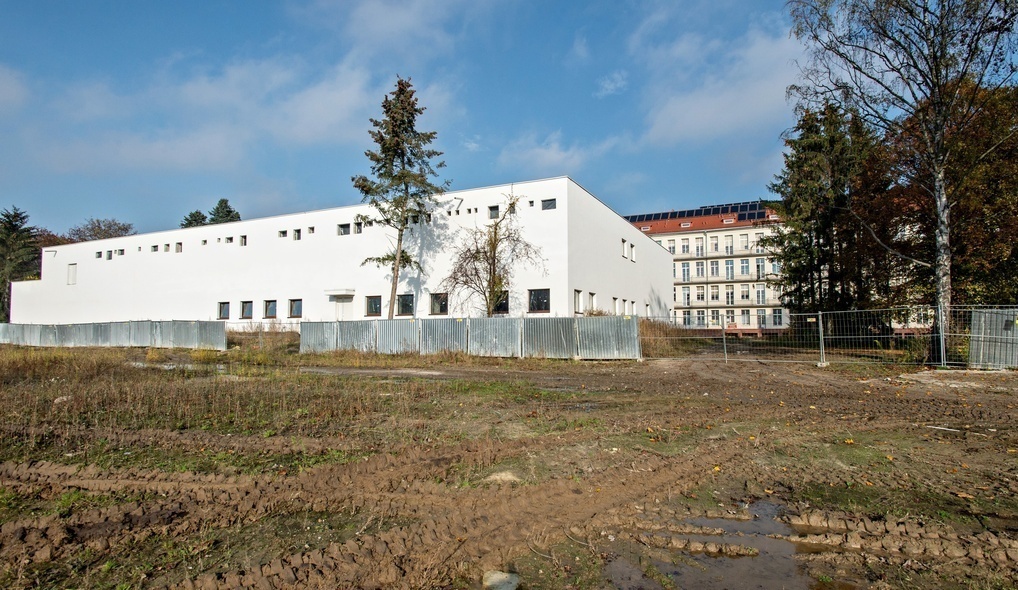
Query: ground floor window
{"x":745,"y":317}
{"x":373,"y":305}
{"x":269,"y":309}
{"x":439,"y":304}
{"x":778,"y":319}
{"x":405,"y":304}
{"x":296,"y":308}
{"x":502,"y":304}
{"x":246,"y":310}
{"x":224,"y":310}
{"x":761,"y":317}
{"x":540,"y":300}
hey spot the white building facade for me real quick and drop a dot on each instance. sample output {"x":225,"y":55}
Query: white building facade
{"x":308,"y":266}
{"x":723,"y":276}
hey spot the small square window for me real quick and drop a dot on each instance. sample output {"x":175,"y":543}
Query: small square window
{"x":224,"y":310}
{"x":501,"y":306}
{"x":109,"y":255}
{"x":358,"y":227}
{"x":311,"y":229}
{"x":155,"y":248}
{"x":439,"y":304}
{"x":98,"y":254}
{"x":179,"y":247}
{"x":373,"y":305}
{"x":246,"y":310}
{"x":72,"y":274}
{"x":229,"y":240}
{"x":120,"y":252}
{"x":243,"y":240}
{"x":296,"y":235}
{"x":343,"y":229}
{"x":548,"y":204}
{"x":296,"y":308}
{"x":493,"y":212}
{"x":282,"y":233}
{"x":166,"y":247}
{"x":269,"y":309}
{"x":204,"y":242}
{"x":405,"y":304}
{"x":539,"y":300}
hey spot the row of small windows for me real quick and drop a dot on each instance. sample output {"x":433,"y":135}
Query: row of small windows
{"x":178,"y":247}
{"x":295,"y":309}
{"x":701,"y":320}
{"x":714,"y":244}
{"x":686,"y":297}
{"x":681,"y":271}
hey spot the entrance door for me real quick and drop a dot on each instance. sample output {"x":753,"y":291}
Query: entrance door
{"x":344,"y":306}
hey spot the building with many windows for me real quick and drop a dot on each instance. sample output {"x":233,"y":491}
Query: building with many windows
{"x":309,"y":266}
{"x":722,"y":273}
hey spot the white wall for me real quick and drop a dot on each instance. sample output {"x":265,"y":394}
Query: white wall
{"x":141,"y":284}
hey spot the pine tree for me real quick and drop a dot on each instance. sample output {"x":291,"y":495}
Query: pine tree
{"x":222,"y":213}
{"x":18,"y":254}
{"x":194,"y":219}
{"x":401,"y":192}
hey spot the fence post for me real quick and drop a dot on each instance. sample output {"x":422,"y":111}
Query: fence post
{"x":724,"y":342}
{"x":942,"y":335}
{"x":820,"y":328}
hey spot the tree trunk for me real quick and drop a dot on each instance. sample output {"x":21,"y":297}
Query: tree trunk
{"x":396,"y":261}
{"x":942,"y":240}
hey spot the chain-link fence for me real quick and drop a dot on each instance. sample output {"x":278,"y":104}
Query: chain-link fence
{"x":979,"y":337}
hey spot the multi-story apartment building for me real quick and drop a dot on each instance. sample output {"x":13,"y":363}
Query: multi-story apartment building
{"x":723,"y":275}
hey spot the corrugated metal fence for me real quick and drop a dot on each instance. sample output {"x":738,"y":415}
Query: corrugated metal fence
{"x":168,"y":334}
{"x":609,"y":337}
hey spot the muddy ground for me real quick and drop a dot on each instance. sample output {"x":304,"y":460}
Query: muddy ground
{"x":661,"y":474}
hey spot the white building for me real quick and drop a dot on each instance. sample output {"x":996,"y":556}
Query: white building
{"x":309,"y":266}
{"x":723,"y":276}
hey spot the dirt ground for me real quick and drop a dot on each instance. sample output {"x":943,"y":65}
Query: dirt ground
{"x":660,"y":474}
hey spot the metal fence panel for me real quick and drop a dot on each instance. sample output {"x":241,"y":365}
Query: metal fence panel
{"x":141,"y":333}
{"x":211,"y":335}
{"x":993,"y":339}
{"x":549,"y":337}
{"x":609,"y":337}
{"x":185,"y":334}
{"x":47,"y":336}
{"x":443,"y":335}
{"x":494,"y":337}
{"x":120,"y":334}
{"x":318,"y":336}
{"x":398,"y":336}
{"x":100,"y":334}
{"x":359,"y":335}
{"x":5,"y":333}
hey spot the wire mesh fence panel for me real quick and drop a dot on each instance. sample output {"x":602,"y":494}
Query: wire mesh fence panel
{"x":898,"y":335}
{"x":663,"y":338}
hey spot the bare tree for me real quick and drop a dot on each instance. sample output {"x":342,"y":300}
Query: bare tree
{"x":100,"y":229}
{"x":485,"y":260}
{"x":910,"y":66}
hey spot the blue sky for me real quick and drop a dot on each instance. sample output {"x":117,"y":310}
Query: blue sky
{"x":144,"y":111}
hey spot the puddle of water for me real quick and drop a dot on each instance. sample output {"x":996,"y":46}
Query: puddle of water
{"x":774,"y":568}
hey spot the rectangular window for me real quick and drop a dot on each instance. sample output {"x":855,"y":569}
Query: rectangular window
{"x":625,"y":250}
{"x":729,"y":294}
{"x":729,"y":248}
{"x":701,"y":318}
{"x":700,"y":293}
{"x":373,"y":305}
{"x":120,"y":252}
{"x":685,"y":272}
{"x":179,"y":247}
{"x":229,"y":240}
{"x":109,"y":255}
{"x":685,"y":296}
{"x":699,"y":269}
{"x":685,"y":245}
{"x":744,"y":292}
{"x":577,"y":301}
{"x":730,"y":317}
{"x":439,"y":304}
{"x":745,"y":317}
{"x":744,"y":241}
{"x":686,"y":318}
{"x":100,"y":254}
{"x":547,"y":204}
{"x":674,"y":266}
{"x":671,"y":246}
{"x":675,"y":294}
{"x":632,"y":252}
{"x":243,"y":240}
{"x":358,"y":227}
{"x":775,"y":267}
{"x":699,"y":247}
{"x":311,"y":229}
{"x":246,"y":310}
{"x":761,"y":317}
{"x":166,"y":247}
{"x":539,"y":300}
{"x":778,"y":319}
{"x":729,"y":270}
{"x":72,"y":274}
{"x":761,"y":295}
{"x":715,"y":268}
{"x":715,"y":293}
{"x":224,"y":310}
{"x":493,"y":212}
{"x":759,"y":246}
{"x":760,"y":268}
{"x":744,"y":266}
{"x":203,"y":243}
{"x":282,"y":233}
{"x":405,"y":304}
{"x":715,"y":317}
{"x":269,"y":309}
{"x":501,"y":307}
{"x":296,"y":308}
{"x":591,"y":301}
{"x":155,"y":248}
{"x":713,"y":243}
{"x":296,"y":234}
{"x":343,"y":229}
{"x":615,"y":305}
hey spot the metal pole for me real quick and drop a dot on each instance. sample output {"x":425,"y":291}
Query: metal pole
{"x":724,"y":342}
{"x":943,"y":336}
{"x":820,"y":328}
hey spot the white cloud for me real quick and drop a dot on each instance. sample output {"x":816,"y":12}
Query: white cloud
{"x":472,"y":143}
{"x":334,"y":108}
{"x":13,"y":91}
{"x":738,"y":88}
{"x":549,"y":157}
{"x":614,"y":83}
{"x":579,"y":52}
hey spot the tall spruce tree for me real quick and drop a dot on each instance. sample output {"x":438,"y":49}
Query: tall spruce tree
{"x":222,"y":213}
{"x":401,"y":191}
{"x":18,"y":254}
{"x":194,"y":219}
